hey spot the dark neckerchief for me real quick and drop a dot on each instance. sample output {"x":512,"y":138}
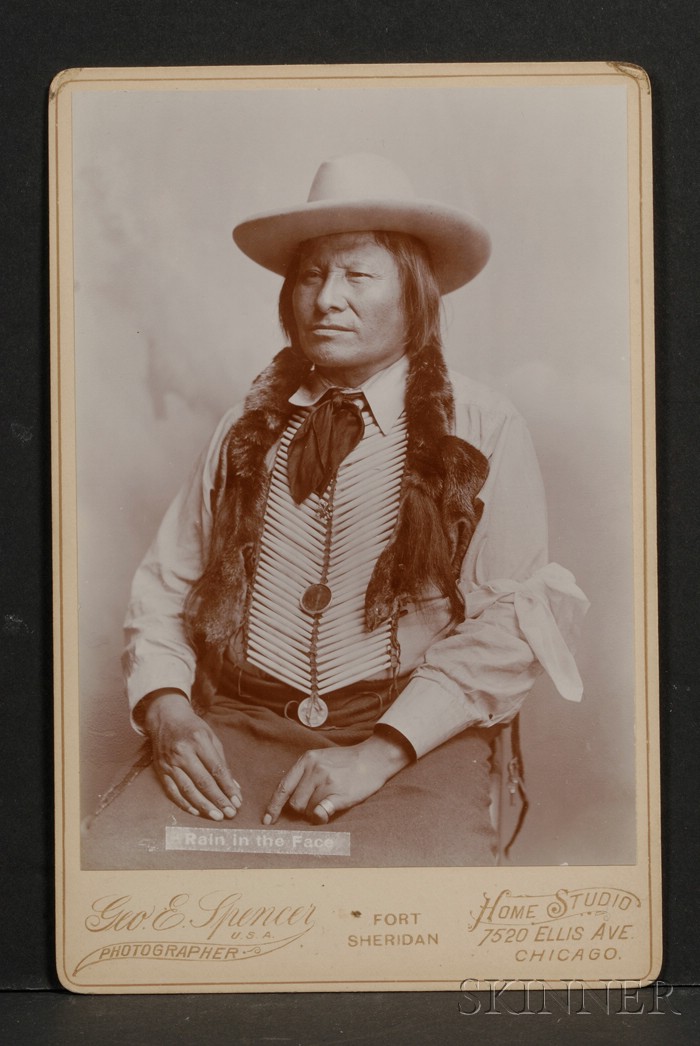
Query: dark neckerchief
{"x":329,"y":432}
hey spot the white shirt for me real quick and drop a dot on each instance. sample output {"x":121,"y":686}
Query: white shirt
{"x":523,"y":613}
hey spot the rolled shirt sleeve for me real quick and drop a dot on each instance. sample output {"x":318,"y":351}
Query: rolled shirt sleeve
{"x":522,"y":613}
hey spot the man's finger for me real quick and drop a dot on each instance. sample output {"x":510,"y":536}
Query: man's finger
{"x":214,"y":760}
{"x":192,"y":766}
{"x":322,"y":808}
{"x":228,"y":784}
{"x":196,"y":791}
{"x":173,"y":793}
{"x":283,"y":791}
{"x":308,"y":786}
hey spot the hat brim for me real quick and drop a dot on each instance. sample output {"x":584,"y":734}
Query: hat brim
{"x":459,"y":246}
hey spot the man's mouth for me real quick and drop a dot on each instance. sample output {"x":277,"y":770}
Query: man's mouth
{"x":320,"y":328}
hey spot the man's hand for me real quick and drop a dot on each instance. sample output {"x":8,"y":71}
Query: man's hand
{"x":340,"y":777}
{"x":189,"y":758}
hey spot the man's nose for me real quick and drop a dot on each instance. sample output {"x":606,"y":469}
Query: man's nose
{"x":330,"y":294}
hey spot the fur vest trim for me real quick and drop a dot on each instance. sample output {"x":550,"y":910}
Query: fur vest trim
{"x":438,"y":509}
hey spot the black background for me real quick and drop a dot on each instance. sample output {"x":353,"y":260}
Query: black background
{"x":39,"y":39}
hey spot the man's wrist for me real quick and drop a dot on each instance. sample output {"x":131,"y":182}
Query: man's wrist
{"x":391,"y":748}
{"x":158,"y":702}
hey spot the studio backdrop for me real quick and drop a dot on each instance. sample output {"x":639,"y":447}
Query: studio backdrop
{"x":172,"y":322}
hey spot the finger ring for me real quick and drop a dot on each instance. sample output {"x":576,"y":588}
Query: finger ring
{"x":327,"y":806}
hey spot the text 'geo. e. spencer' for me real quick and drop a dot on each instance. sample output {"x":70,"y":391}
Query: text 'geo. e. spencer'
{"x":222,"y":915}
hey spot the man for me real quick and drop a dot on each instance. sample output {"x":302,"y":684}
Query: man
{"x":353,"y":590}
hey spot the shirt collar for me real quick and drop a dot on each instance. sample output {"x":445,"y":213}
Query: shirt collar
{"x":384,"y":392}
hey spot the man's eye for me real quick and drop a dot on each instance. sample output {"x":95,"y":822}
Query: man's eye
{"x":310,"y":274}
{"x":354,"y":275}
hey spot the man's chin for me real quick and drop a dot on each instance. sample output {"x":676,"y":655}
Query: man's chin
{"x":325,"y":354}
{"x":323,"y":340}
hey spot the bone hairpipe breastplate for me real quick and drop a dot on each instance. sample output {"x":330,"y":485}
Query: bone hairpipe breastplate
{"x":306,"y":617}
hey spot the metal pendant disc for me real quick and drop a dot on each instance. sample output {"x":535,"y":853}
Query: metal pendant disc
{"x":312,"y":711}
{"x":315,"y":599}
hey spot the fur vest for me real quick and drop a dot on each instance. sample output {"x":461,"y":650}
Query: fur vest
{"x":438,"y":509}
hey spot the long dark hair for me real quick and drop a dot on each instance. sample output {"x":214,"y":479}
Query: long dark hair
{"x":443,"y":474}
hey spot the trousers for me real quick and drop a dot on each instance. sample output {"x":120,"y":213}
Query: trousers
{"x":434,"y":812}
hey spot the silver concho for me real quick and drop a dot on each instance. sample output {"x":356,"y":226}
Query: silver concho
{"x":313,"y":712}
{"x":315,"y":599}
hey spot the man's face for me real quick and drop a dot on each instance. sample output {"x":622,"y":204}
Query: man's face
{"x":348,"y":307}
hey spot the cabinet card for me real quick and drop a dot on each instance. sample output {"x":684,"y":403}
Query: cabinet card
{"x":391,"y":649}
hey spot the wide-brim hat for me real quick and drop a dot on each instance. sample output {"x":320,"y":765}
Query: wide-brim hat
{"x":367,"y":193}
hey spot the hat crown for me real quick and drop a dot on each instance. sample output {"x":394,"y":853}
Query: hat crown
{"x":363,"y":192}
{"x":360,"y":176}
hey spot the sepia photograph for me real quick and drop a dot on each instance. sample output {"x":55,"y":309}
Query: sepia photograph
{"x":356,"y":416}
{"x":353,"y":404}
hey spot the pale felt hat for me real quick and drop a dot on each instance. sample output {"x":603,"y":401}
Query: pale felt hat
{"x":365,"y":193}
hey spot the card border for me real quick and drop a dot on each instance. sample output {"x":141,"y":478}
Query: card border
{"x":63,"y":448}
